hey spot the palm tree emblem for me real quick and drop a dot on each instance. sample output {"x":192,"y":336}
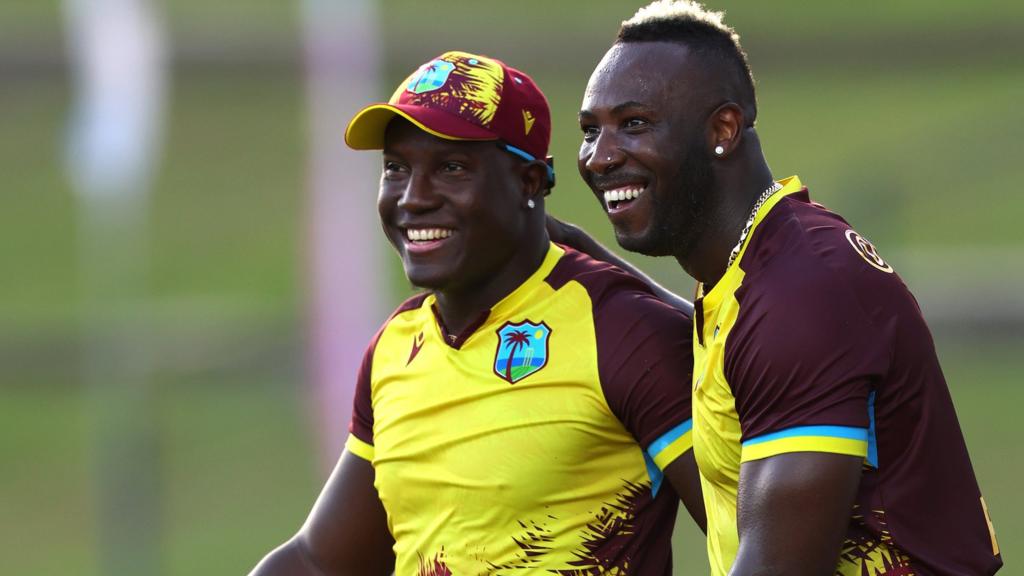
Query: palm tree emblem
{"x":517,"y":339}
{"x":522,"y":350}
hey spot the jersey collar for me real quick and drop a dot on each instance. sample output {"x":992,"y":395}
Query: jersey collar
{"x":515,"y":300}
{"x":725,"y":285}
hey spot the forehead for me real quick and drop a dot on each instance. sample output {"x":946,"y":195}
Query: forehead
{"x":402,"y":136}
{"x":647,"y":73}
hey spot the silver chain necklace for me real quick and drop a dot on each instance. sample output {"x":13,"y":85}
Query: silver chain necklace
{"x":775,"y":187}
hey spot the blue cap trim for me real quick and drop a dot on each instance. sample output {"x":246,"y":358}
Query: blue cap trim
{"x":530,"y":158}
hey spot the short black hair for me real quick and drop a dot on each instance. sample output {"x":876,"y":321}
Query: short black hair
{"x":703,"y":31}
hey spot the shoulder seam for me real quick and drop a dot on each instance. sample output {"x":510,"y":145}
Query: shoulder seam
{"x":411,"y":303}
{"x":591,"y":274}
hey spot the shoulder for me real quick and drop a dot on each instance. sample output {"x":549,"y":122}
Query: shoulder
{"x":804,"y":258}
{"x":614,"y":292}
{"x":644,"y":351}
{"x":393,"y":328}
{"x":595,"y":276}
{"x":414,"y":302}
{"x":401,"y":320}
{"x":808,"y":292}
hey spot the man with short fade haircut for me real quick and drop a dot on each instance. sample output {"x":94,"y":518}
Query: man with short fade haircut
{"x":529,"y":413}
{"x":823,"y":428}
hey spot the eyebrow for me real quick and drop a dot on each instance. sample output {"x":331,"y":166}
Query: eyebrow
{"x":618,"y":108}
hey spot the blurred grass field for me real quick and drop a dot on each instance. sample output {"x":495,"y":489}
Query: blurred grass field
{"x":904,"y":118}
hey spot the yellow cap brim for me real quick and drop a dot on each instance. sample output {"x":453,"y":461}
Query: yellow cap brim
{"x":366,"y":130}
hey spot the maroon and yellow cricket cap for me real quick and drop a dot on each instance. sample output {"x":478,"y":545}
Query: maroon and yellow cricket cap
{"x":461,"y":96}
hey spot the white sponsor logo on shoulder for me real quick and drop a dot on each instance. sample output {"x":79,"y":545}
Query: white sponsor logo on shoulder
{"x":867,"y":251}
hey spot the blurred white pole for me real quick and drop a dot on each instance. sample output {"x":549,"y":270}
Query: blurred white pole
{"x":117,"y":51}
{"x":344,"y":260}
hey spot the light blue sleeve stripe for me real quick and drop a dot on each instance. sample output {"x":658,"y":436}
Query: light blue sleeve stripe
{"x":872,"y":434}
{"x":654,"y":473}
{"x":848,"y":432}
{"x":666,"y":439}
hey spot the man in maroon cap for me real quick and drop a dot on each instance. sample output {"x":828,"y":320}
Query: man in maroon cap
{"x":524,"y":411}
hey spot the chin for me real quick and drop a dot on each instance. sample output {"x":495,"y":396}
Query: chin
{"x":427,"y":279}
{"x":647,"y":243}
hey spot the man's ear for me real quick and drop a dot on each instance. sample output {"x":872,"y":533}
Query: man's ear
{"x":725,"y":129}
{"x":535,"y":180}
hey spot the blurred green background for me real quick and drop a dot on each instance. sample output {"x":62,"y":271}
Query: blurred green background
{"x":905,"y":117}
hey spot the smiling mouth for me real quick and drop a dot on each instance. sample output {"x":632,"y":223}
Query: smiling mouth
{"x":426,"y":234}
{"x":420,"y":240}
{"x":620,"y":198}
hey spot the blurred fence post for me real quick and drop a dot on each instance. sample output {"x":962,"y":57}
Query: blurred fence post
{"x":341,"y":42}
{"x":117,"y":51}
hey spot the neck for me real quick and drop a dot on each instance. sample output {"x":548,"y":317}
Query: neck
{"x":731,"y":205}
{"x":460,"y":306}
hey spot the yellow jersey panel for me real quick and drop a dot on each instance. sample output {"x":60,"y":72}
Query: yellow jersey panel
{"x":538,"y":442}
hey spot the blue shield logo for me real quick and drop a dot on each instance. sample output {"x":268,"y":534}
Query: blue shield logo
{"x":522,"y":350}
{"x":430,"y":76}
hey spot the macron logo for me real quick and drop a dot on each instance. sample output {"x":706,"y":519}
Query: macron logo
{"x":417,"y":344}
{"x":528,"y":120}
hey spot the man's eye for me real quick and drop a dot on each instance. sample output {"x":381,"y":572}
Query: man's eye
{"x":590,"y":133}
{"x":635,"y":123}
{"x":452,"y":167}
{"x":392,"y":168}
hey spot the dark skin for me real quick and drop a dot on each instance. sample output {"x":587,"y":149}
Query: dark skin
{"x":477,"y":194}
{"x":346,"y":533}
{"x":793,"y":513}
{"x":651,"y":116}
{"x":571,"y":235}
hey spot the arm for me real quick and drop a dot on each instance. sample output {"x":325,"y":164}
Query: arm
{"x":793,"y":512}
{"x":345,"y":534}
{"x":685,"y":479}
{"x":575,"y":237}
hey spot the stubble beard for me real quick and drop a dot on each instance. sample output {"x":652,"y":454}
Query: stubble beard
{"x":680,"y":218}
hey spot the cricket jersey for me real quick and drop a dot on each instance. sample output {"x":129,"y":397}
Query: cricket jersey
{"x":534,"y":441}
{"x":810,"y":342}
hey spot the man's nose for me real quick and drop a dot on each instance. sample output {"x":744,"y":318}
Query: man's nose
{"x":418,"y":195}
{"x":606,"y":154}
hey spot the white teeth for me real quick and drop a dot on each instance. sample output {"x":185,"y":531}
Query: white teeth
{"x":427,"y":234}
{"x":620,"y":194}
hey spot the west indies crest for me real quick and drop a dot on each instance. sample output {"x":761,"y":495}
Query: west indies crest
{"x":522,"y":350}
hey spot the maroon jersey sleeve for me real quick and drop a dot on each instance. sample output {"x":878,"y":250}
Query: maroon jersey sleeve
{"x":361,"y":425}
{"x":644,"y":347}
{"x":803,"y":350}
{"x":645,"y":358}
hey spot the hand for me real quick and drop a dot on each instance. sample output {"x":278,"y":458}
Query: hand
{"x":562,"y":232}
{"x":574,"y":237}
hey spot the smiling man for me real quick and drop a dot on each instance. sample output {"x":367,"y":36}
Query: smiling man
{"x":823,"y":429}
{"x":530,"y":411}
